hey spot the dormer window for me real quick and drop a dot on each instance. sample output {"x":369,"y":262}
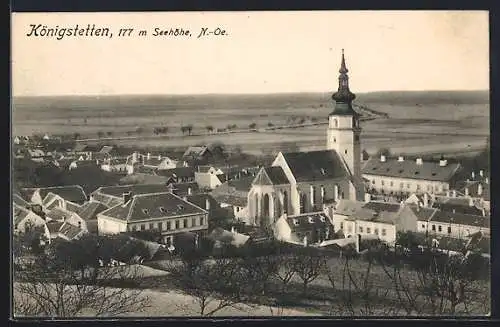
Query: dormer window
{"x":295,"y":222}
{"x":162,"y":210}
{"x":180,"y":207}
{"x":145,"y":211}
{"x":310,"y":219}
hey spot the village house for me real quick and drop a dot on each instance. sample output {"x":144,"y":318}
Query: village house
{"x":54,"y":200}
{"x":144,"y":178}
{"x":382,"y":220}
{"x":208,"y":177}
{"x":71,"y":193}
{"x":197,"y":153}
{"x":64,"y":230}
{"x":306,"y":229}
{"x":66,"y":216}
{"x":118,"y":165}
{"x":24,"y":218}
{"x":178,"y":175}
{"x":233,"y":195}
{"x":83,"y":163}
{"x":451,"y":224}
{"x":478,"y":188}
{"x":165,"y":212}
{"x":400,"y":176}
{"x":89,"y":212}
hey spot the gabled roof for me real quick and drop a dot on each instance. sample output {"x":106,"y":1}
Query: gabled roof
{"x":153,"y":161}
{"x":429,"y":171}
{"x":17,"y":199}
{"x":73,"y":193}
{"x":70,"y":231}
{"x":183,"y":188}
{"x":474,"y":187}
{"x":152,"y":206}
{"x":54,"y":226}
{"x":241,"y":184}
{"x":231,"y":199}
{"x":135,"y":189}
{"x":141,"y":178}
{"x":461,"y":219}
{"x":423,"y":214}
{"x":348,"y":207}
{"x":90,"y":210}
{"x":107,"y":200}
{"x":204,"y":168}
{"x":19,"y":213}
{"x":275,"y":174}
{"x":200,"y":200}
{"x":458,"y":208}
{"x":315,"y":165}
{"x":106,"y":149}
{"x":195,"y":151}
{"x":382,"y":206}
{"x":81,"y":147}
{"x":179,"y":172}
{"x":58,"y":214}
{"x":145,"y":170}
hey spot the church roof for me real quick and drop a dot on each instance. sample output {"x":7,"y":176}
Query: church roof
{"x":315,"y":165}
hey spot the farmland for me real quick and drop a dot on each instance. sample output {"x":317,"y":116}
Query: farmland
{"x":448,"y":122}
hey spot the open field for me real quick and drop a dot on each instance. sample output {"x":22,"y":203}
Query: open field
{"x":418,"y":121}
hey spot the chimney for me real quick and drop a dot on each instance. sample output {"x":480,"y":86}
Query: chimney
{"x":304,"y":241}
{"x":418,"y":206}
{"x":207,"y":204}
{"x":454,"y":194}
{"x":159,"y":157}
{"x":149,"y":155}
{"x":471,"y":202}
{"x":189,"y":191}
{"x":401,"y":159}
{"x":479,"y":189}
{"x":358,"y":240}
{"x":472,"y":175}
{"x":134,"y":157}
{"x":483,"y":212}
{"x":126,"y":196}
{"x":233,"y":230}
{"x":467,"y":191}
{"x":481,"y":173}
{"x":443,"y":163}
{"x":382,"y":158}
{"x":486,"y":181}
{"x":185,"y":198}
{"x":368,"y":197}
{"x":448,"y":193}
{"x":419,"y":161}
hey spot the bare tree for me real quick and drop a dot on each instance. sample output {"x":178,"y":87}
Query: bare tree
{"x":214,"y":284}
{"x":309,"y":264}
{"x":54,"y":285}
{"x":209,"y":128}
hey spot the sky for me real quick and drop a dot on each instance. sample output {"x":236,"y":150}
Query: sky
{"x":263,"y":52}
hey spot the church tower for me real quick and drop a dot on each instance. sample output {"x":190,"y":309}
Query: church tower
{"x":344,"y":132}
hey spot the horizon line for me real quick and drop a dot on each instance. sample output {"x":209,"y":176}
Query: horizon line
{"x":235,"y":94}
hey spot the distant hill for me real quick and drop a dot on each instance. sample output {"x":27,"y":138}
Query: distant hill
{"x":425,"y":97}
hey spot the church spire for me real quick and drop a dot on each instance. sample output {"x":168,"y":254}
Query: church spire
{"x":343,"y":97}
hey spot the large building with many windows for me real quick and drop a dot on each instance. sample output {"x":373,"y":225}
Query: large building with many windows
{"x":164,"y":212}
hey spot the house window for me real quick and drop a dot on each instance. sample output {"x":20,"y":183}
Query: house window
{"x":177,"y":224}
{"x":341,"y":225}
{"x":342,"y":195}
{"x":418,"y":187}
{"x":373,"y":181}
{"x":151,"y":226}
{"x":439,"y":228}
{"x":429,"y":187}
{"x":433,"y":228}
{"x":423,"y":225}
{"x":392,"y":183}
{"x":202,"y":221}
{"x":382,"y":182}
{"x":168,"y":225}
{"x":193,"y":222}
{"x":345,"y":151}
{"x":133,"y":228}
{"x":143,"y":227}
{"x":237,"y":209}
{"x":334,"y":140}
{"x":356,"y":138}
{"x":160,"y":226}
{"x":361,"y":229}
{"x":384,"y":232}
{"x":408,"y":185}
{"x":185,"y":223}
{"x":375,"y":231}
{"x":368,"y":230}
{"x":401,"y":185}
{"x":169,"y":241}
{"x":349,"y":229}
{"x":449,"y":229}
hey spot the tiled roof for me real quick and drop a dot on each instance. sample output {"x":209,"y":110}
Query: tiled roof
{"x":277,"y":175}
{"x":90,"y":210}
{"x":106,"y":199}
{"x":17,"y":199}
{"x":73,"y":193}
{"x":81,"y":147}
{"x":204,"y":169}
{"x":179,"y":172}
{"x":231,"y":199}
{"x":195,"y":151}
{"x":431,"y":171}
{"x":85,"y":163}
{"x":19,"y":213}
{"x":241,"y":184}
{"x":70,"y":206}
{"x":70,"y":231}
{"x":200,"y":200}
{"x":222,"y":178}
{"x":461,"y":219}
{"x":145,"y":170}
{"x":382,"y":206}
{"x":118,"y":161}
{"x":315,"y":165}
{"x":153,"y":161}
{"x":58,"y":214}
{"x":106,"y":149}
{"x":54,"y":226}
{"x":151,"y":206}
{"x":458,"y":208}
{"x":348,"y":207}
{"x":308,"y":221}
{"x":473,"y":187}
{"x":141,"y":178}
{"x":423,"y":214}
{"x":181,"y":189}
{"x":135,"y":189}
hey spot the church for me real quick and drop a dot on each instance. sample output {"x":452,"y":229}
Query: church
{"x":302,"y":182}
